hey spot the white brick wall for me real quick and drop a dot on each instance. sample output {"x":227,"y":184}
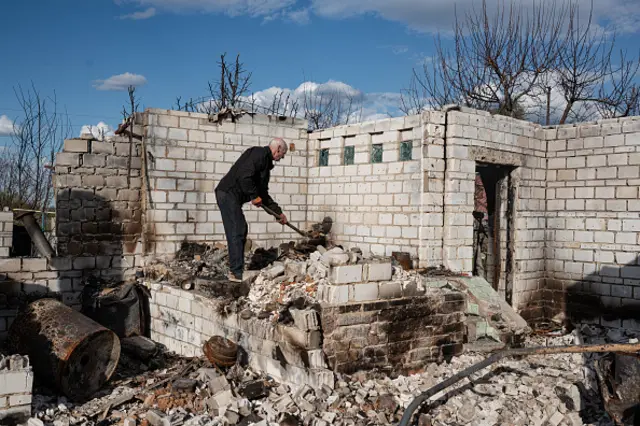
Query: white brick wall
{"x":593,"y":212}
{"x":374,"y":206}
{"x":191,"y":155}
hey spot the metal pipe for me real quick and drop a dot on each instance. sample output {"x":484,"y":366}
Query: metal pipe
{"x":540,"y":350}
{"x":36,"y":234}
{"x":66,"y":348}
{"x":33,"y":211}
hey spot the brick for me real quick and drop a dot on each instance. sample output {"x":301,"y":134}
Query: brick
{"x":188,"y":123}
{"x":305,"y":319}
{"x":390,"y":290}
{"x":164,"y":164}
{"x":177,"y":216}
{"x":15,"y":382}
{"x":116,"y":181}
{"x":34,"y":264}
{"x":168,"y":121}
{"x":93,"y":181}
{"x":176,"y":152}
{"x":10,"y":265}
{"x":365,"y":291}
{"x":185,"y":166}
{"x":177,"y":134}
{"x":19,"y":400}
{"x":166,"y":184}
{"x":82,"y":263}
{"x":67,"y":159}
{"x":77,"y":145}
{"x":377,"y":272}
{"x":346,"y":274}
{"x":114,"y":162}
{"x":94,"y":160}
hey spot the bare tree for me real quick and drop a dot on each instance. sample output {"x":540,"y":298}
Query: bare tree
{"x":496,"y":59}
{"x":620,"y":95}
{"x":325,"y":108}
{"x":38,"y":135}
{"x":584,"y":62}
{"x":414,"y":98}
{"x":232,"y":87}
{"x":191,"y":105}
{"x":286,"y":106}
{"x":540,"y":63}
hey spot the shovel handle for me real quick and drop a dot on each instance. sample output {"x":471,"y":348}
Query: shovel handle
{"x":276,"y":215}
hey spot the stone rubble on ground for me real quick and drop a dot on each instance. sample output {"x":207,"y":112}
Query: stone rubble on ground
{"x":539,"y":390}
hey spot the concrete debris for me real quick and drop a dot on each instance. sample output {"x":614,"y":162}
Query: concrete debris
{"x":555,"y":390}
{"x":157,"y":418}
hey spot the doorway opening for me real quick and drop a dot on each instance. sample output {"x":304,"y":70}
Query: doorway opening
{"x":493,"y":226}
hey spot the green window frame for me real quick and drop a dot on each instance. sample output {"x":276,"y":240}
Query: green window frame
{"x":376,"y":153}
{"x":324,"y":157}
{"x":349,"y":155}
{"x":406,"y":149}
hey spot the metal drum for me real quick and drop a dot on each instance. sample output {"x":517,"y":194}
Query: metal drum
{"x":67,"y":349}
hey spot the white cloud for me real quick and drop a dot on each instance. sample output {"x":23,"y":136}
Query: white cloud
{"x":99,"y":131}
{"x":419,"y":15}
{"x":367,"y":106}
{"x":6,"y":126}
{"x":120,"y":82}
{"x":145,"y":14}
{"x":300,"y":17}
{"x":438,"y":15}
{"x":231,"y":7}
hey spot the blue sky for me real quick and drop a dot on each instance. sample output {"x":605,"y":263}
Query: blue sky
{"x":170,"y":47}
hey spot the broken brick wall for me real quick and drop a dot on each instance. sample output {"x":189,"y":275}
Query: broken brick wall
{"x":16,"y":383}
{"x":369,"y":183}
{"x":187,"y":157}
{"x":398,"y":334}
{"x":593,"y":221}
{"x":183,"y":321}
{"x":463,"y":139}
{"x":98,"y":191}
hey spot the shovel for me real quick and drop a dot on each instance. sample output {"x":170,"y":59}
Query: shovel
{"x":277,"y":216}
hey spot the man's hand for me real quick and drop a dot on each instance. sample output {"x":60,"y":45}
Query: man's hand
{"x":257,"y":201}
{"x":283,"y":219}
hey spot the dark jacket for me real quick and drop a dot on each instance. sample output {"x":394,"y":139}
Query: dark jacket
{"x":249,"y":177}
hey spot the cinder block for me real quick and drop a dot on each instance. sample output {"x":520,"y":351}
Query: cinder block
{"x":364,"y":291}
{"x":15,"y":382}
{"x":377,"y":272}
{"x":346,"y":274}
{"x":34,"y":264}
{"x":179,"y":134}
{"x":10,"y":265}
{"x":19,"y":400}
{"x":82,"y":263}
{"x":390,"y":290}
{"x":77,"y":145}
{"x":305,"y":319}
{"x":94,"y":160}
{"x":303,"y":339}
{"x":68,"y":159}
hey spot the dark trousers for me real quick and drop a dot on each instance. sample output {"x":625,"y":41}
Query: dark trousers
{"x":235,"y":228}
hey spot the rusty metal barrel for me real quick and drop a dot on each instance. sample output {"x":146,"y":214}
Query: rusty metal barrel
{"x":72,"y":352}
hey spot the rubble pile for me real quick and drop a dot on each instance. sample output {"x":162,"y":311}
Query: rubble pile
{"x":559,"y":390}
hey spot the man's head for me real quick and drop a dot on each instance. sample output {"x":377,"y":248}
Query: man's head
{"x":278,"y":148}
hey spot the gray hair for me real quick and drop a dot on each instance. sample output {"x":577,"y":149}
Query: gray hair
{"x":279,"y":143}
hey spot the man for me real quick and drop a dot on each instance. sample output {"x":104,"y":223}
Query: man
{"x":247,"y":180}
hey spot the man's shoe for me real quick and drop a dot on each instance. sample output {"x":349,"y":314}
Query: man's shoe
{"x":233,"y":278}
